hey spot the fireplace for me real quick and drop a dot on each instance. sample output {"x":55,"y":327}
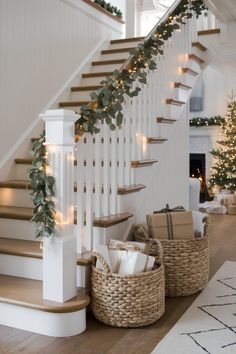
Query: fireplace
{"x":198,"y":166}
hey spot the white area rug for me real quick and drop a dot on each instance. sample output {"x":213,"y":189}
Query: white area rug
{"x":209,"y":325}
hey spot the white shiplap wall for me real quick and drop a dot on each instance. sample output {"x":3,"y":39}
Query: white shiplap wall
{"x":42,"y":43}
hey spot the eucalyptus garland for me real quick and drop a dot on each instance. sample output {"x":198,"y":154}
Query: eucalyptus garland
{"x":106,"y":105}
{"x":42,"y":191}
{"x":107,"y":6}
{"x":207,"y":122}
{"x":106,"y":102}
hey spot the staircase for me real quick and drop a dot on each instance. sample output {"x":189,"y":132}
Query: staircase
{"x":113,"y":171}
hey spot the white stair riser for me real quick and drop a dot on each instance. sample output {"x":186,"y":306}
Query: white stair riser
{"x":92,"y":80}
{"x":32,"y":268}
{"x":80,"y":95}
{"x":104,"y":68}
{"x":112,"y":56}
{"x":19,"y":229}
{"x":22,"y":170}
{"x":124,"y":45}
{"x":181,"y":94}
{"x":192,"y":64}
{"x":42,"y":322}
{"x":15,"y":197}
{"x":189,"y":79}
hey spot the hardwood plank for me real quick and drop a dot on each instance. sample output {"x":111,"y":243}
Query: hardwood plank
{"x":114,"y":51}
{"x":85,"y":88}
{"x":108,"y":62}
{"x":199,"y":46}
{"x":73,"y":104}
{"x":154,"y":140}
{"x":208,"y":32}
{"x":174,"y":102}
{"x":31,"y":249}
{"x":142,"y":163}
{"x":29,"y":293}
{"x":99,"y":74}
{"x":130,"y":189}
{"x":127,"y":40}
{"x":196,"y":58}
{"x":165,"y":120}
{"x":182,"y":86}
{"x":189,"y":71}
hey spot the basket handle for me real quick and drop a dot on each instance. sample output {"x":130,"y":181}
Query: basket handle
{"x":160,"y":248}
{"x":96,"y":255}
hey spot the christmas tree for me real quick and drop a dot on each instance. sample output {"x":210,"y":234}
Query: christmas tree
{"x":224,"y":170}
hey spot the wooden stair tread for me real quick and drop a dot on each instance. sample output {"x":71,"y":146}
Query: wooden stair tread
{"x":85,"y":88}
{"x":25,"y":185}
{"x":127,"y":40}
{"x":107,"y":221}
{"x":114,"y":51}
{"x":108,"y":62}
{"x":73,"y":103}
{"x":23,"y":213}
{"x":28,"y":161}
{"x":174,"y":102}
{"x":196,"y":58}
{"x":130,"y":189}
{"x":199,"y":46}
{"x":142,"y":163}
{"x":208,"y":32}
{"x":99,"y":74}
{"x":187,"y":70}
{"x":165,"y":120}
{"x":19,"y":184}
{"x":31,"y":249}
{"x":182,"y":86}
{"x":156,"y":140}
{"x":29,"y":293}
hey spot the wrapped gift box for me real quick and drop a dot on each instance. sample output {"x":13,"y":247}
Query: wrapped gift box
{"x":171,"y":225}
{"x":129,"y":246}
{"x":232,"y":209}
{"x":132,"y":262}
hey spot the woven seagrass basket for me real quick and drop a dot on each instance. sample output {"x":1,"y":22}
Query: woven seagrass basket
{"x":127,"y":300}
{"x":186,"y":262}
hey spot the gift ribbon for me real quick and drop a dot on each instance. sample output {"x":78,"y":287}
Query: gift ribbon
{"x":125,"y":246}
{"x":169,"y":221}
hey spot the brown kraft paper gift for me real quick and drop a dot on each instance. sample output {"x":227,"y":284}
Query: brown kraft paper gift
{"x":171,"y":225}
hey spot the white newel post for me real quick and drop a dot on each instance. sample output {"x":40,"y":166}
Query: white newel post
{"x":59,"y":252}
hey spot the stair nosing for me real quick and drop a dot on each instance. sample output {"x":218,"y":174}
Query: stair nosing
{"x":189,"y":71}
{"x":126,"y":40}
{"x":142,"y":163}
{"x":199,"y":45}
{"x":175,"y":102}
{"x":208,"y":32}
{"x":85,"y":88}
{"x":97,"y":74}
{"x":108,"y":62}
{"x":196,"y":58}
{"x":34,"y":287}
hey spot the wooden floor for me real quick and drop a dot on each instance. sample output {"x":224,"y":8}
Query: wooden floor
{"x":101,"y":339}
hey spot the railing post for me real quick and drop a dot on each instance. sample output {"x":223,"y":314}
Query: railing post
{"x":59,"y":252}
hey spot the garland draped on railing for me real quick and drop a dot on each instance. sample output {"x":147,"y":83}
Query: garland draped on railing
{"x":207,"y":122}
{"x":106,"y":105}
{"x":107,"y":6}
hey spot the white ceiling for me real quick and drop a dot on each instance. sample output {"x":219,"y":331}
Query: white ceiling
{"x":225,"y":10}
